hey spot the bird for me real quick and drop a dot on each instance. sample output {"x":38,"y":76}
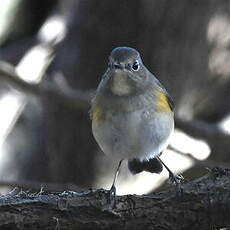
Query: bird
{"x":132,"y":115}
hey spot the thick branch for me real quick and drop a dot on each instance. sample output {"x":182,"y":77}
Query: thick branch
{"x":199,"y":129}
{"x":73,"y":98}
{"x":202,"y":204}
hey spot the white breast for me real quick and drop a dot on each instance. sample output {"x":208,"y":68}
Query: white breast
{"x":133,"y":134}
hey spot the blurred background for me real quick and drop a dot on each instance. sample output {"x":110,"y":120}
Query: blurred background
{"x":46,"y":142}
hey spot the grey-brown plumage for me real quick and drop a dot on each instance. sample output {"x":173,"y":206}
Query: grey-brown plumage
{"x":132,"y":113}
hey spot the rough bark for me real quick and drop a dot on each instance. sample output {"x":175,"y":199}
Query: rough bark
{"x":172,"y":38}
{"x":201,"y":204}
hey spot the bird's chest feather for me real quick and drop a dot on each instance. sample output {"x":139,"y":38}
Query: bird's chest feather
{"x":132,"y":134}
{"x":119,"y":132}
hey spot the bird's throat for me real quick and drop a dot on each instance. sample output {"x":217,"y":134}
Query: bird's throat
{"x":120,"y":85}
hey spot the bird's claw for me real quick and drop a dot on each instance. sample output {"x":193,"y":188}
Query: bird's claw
{"x":112,"y":191}
{"x":112,"y":195}
{"x":175,"y":178}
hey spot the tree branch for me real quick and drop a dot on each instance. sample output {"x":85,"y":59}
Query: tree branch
{"x":202,"y":204}
{"x":198,"y":129}
{"x":205,"y":163}
{"x":215,"y":137}
{"x":76,"y":99}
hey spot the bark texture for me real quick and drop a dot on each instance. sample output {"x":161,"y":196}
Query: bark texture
{"x":201,"y":204}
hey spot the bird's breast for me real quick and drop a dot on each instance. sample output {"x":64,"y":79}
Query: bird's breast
{"x":139,"y":133}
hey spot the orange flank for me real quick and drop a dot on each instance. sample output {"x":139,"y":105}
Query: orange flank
{"x":96,"y":113}
{"x":163,"y":103}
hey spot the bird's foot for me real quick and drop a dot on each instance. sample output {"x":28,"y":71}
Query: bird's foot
{"x":175,"y":179}
{"x":112,"y":196}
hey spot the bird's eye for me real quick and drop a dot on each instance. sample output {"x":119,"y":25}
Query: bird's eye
{"x":136,"y":65}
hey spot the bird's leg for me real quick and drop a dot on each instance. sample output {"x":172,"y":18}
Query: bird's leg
{"x":174,"y":178}
{"x":112,"y":191}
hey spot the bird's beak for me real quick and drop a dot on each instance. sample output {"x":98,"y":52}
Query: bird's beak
{"x":118,"y":66}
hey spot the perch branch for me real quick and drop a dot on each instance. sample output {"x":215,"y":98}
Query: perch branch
{"x":201,"y":204}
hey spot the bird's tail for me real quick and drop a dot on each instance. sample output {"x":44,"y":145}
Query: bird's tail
{"x":151,"y":165}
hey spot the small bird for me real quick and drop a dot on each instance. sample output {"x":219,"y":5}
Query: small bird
{"x":132,"y":115}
